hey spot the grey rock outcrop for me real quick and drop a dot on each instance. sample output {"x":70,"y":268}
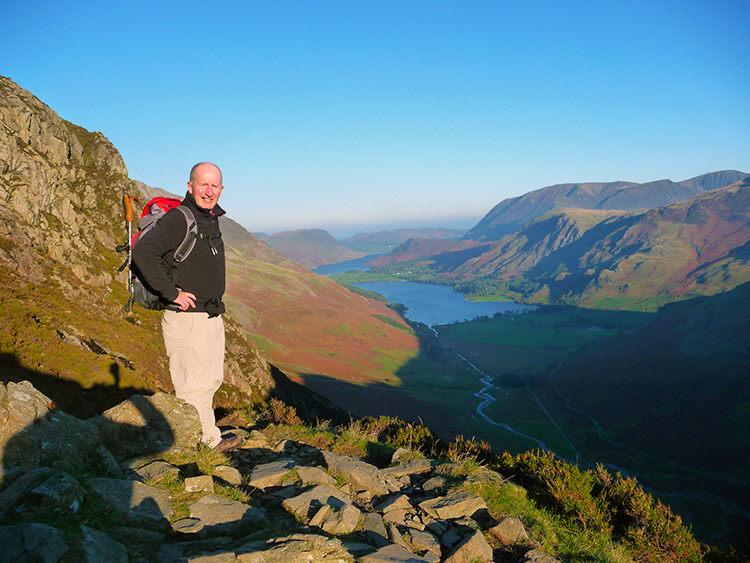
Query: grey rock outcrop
{"x":149,"y":424}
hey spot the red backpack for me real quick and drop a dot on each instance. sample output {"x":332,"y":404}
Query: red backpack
{"x":138,"y":289}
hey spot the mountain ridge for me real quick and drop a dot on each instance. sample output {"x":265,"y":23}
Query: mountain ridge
{"x":512,"y":214}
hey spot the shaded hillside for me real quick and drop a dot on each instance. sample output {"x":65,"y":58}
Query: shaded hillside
{"x":699,"y":246}
{"x":387,"y":240}
{"x":311,"y":247}
{"x":512,"y":214}
{"x":677,"y":389}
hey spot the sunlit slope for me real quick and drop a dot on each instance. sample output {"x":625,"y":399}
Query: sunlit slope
{"x":700,"y":246}
{"x":310,"y":324}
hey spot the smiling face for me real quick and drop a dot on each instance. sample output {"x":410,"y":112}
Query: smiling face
{"x":205,"y":185}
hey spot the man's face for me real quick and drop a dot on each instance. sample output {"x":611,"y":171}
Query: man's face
{"x":206,"y":186}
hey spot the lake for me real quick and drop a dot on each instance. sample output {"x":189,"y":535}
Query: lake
{"x":439,"y":304}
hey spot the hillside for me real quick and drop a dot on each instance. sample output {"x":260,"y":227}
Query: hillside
{"x":512,"y":214}
{"x":311,"y":247}
{"x":620,"y":259}
{"x":61,"y":217}
{"x":387,"y":240}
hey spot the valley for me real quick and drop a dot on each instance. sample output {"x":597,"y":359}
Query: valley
{"x":497,"y":379}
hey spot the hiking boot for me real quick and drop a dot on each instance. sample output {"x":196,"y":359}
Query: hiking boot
{"x":228,"y":444}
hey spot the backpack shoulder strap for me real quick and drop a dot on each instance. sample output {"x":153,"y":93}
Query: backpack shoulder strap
{"x":191,"y":234}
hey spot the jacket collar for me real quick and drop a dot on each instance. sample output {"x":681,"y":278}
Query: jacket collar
{"x":190,"y":202}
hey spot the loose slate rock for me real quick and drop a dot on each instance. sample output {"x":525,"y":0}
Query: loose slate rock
{"x":454,"y":505}
{"x":143,"y":424}
{"x":509,"y":530}
{"x":303,"y":504}
{"x":360,"y":474}
{"x":98,"y":547}
{"x":472,"y":549}
{"x":134,"y":500}
{"x":535,"y":556}
{"x":223,"y":515}
{"x":392,"y":554}
{"x":271,"y":474}
{"x":298,"y":548}
{"x":59,"y":493}
{"x":314,"y":476}
{"x":156,"y":471}
{"x":228,"y":474}
{"x":32,"y":542}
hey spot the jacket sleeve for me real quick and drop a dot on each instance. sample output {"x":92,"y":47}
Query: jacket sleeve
{"x":154,"y":251}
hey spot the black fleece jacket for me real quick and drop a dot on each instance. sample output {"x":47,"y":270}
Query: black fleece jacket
{"x":202,"y":273}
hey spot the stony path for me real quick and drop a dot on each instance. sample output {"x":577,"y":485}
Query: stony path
{"x":298,"y":503}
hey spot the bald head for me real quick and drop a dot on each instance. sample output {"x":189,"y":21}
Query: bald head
{"x":207,"y":166}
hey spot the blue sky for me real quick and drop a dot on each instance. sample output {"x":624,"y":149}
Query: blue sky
{"x":352,"y":115}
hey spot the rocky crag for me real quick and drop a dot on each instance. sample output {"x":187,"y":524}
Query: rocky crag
{"x":130,"y":485}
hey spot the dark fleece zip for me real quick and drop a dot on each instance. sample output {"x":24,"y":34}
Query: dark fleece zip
{"x":203,"y":273}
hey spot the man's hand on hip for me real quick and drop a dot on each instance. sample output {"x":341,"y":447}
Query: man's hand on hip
{"x":185,"y":300}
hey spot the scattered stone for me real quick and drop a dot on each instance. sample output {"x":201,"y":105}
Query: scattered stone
{"x":411,"y":467}
{"x":152,"y":424}
{"x":134,"y":500}
{"x":396,"y":516}
{"x":98,"y":547}
{"x":394,"y":503}
{"x":32,"y":542}
{"x":340,"y":520}
{"x":314,"y":476}
{"x":187,"y":525}
{"x":199,"y":484}
{"x":298,"y":548}
{"x":392,"y":554}
{"x":55,"y":436}
{"x":449,"y":539}
{"x":271,"y":474}
{"x":373,"y":530}
{"x":156,"y":472}
{"x":59,"y":493}
{"x":425,"y":541}
{"x":510,"y":530}
{"x":401,"y":454}
{"x":536,"y":556}
{"x":256,"y":439}
{"x":395,"y":536}
{"x":472,"y":549}
{"x":433,"y":484}
{"x":301,"y":505}
{"x":359,"y":474}
{"x":15,"y":493}
{"x":228,"y":474}
{"x":454,"y":505}
{"x":224,"y":515}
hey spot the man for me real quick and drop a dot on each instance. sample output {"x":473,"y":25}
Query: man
{"x":192,"y":289}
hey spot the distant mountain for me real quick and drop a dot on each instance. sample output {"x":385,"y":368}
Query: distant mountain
{"x":699,"y":246}
{"x":416,"y":248}
{"x":384,"y":241}
{"x":512,"y":214}
{"x":311,"y":247}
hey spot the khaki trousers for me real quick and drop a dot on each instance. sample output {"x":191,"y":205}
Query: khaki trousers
{"x":195,"y":347}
